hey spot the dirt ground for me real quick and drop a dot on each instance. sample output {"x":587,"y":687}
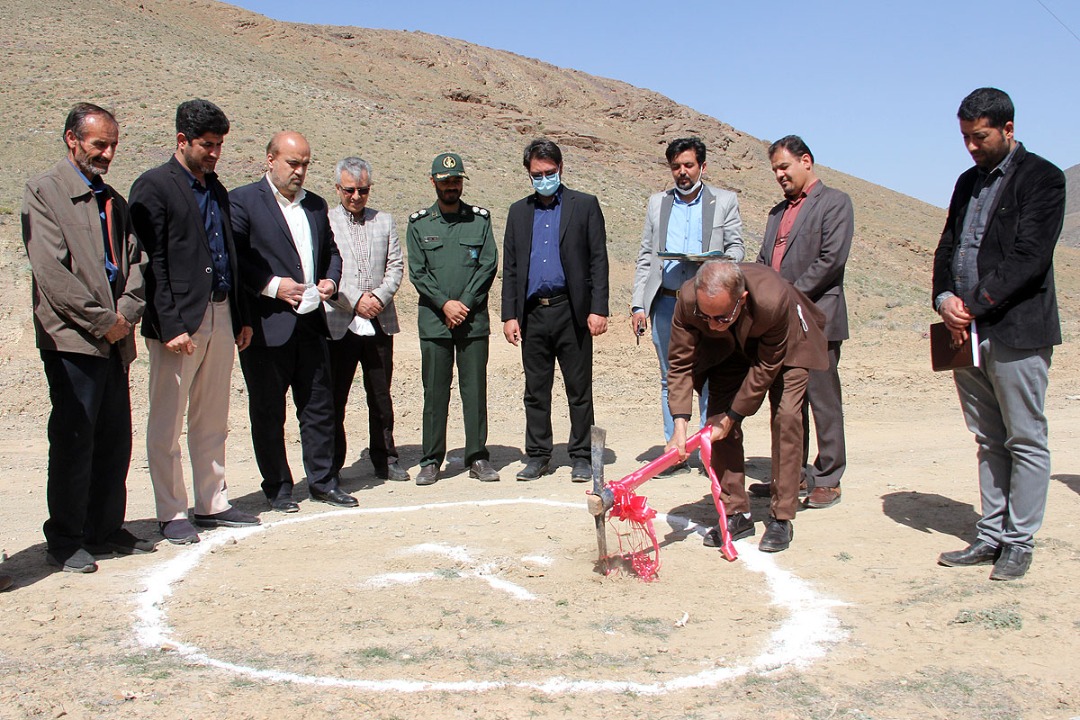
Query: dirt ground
{"x":465,"y":600}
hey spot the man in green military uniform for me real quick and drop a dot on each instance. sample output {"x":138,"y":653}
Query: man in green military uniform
{"x":452,"y":261}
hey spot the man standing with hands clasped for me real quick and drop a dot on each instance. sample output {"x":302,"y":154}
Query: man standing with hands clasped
{"x":452,"y":262}
{"x":88,"y":294}
{"x":289,"y":262}
{"x":195,"y":313}
{"x":362,"y":316}
{"x":993,"y":271}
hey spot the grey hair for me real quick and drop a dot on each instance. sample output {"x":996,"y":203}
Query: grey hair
{"x":354,"y":166}
{"x":720,"y":276}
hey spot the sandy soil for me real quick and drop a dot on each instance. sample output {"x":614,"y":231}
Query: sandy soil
{"x":482,"y":600}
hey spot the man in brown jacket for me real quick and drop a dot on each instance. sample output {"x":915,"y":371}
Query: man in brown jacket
{"x":748,"y":332}
{"x":88,"y":295}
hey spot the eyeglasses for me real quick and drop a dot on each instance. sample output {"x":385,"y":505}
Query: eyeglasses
{"x":720,"y":319}
{"x":354,"y":190}
{"x":542,"y":175}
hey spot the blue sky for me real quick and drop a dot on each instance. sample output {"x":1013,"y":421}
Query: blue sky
{"x":871,"y":86}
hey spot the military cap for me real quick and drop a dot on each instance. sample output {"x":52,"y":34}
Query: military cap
{"x":447,"y":165}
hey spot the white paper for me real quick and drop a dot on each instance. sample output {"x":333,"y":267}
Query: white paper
{"x":310,"y":301}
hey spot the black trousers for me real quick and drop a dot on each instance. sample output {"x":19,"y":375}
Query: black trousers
{"x":302,"y":364}
{"x":89,"y":448}
{"x":551,"y":335}
{"x":375,"y":356}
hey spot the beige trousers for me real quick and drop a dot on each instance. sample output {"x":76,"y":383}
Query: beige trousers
{"x":198,"y":383}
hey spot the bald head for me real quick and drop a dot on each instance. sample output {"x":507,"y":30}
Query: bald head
{"x":288,"y":156}
{"x":717,"y":277}
{"x":289,"y":138}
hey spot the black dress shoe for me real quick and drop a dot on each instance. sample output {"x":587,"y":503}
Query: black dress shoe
{"x":227,"y":518}
{"x":777,"y":537}
{"x":79,"y":561}
{"x":738,"y":525}
{"x":581,"y":471}
{"x":120,"y":542}
{"x":394,"y":472}
{"x":534,"y":469}
{"x":1012,"y":564}
{"x":482,"y":471}
{"x":428,"y":475}
{"x":334,"y":497}
{"x":179,"y":532}
{"x":284,"y":505}
{"x":764,"y":490}
{"x":979,"y":552}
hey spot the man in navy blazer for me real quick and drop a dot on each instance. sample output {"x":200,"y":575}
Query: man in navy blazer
{"x":994,"y":276}
{"x":554,"y":301}
{"x":290,"y":264}
{"x":195,"y":313}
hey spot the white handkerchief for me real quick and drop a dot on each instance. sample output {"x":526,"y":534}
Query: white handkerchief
{"x":310,"y":301}
{"x":362,"y":326}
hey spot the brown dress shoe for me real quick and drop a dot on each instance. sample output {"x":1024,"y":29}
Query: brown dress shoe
{"x":823,"y":497}
{"x":428,"y":475}
{"x":483,"y":471}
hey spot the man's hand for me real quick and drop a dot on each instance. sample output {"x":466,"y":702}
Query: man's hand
{"x":120,"y":329}
{"x":368,"y":306}
{"x":678,"y":439}
{"x":597,"y":324}
{"x":455,"y":313}
{"x":955,"y":313}
{"x":957,"y":318}
{"x":290,"y":291}
{"x":244,"y":338}
{"x":722,"y":426}
{"x":181,"y":344}
{"x":326,"y":288}
{"x":639,"y":323}
{"x":512,"y":331}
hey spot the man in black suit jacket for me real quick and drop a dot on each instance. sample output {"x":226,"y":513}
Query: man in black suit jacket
{"x":994,"y":277}
{"x":554,"y":301}
{"x":194,"y":313}
{"x":289,"y":262}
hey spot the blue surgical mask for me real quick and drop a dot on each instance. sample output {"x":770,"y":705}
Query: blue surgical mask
{"x":547,"y":185}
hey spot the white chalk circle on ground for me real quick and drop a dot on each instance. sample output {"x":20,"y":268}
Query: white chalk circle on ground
{"x":805,"y":635}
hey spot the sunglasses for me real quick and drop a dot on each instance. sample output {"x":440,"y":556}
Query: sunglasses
{"x":720,"y":319}
{"x":354,"y":190}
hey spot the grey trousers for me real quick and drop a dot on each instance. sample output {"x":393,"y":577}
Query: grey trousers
{"x":1003,"y":406}
{"x":824,"y":397}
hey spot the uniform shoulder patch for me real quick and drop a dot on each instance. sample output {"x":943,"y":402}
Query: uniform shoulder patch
{"x":417,"y":215}
{"x":482,"y":212}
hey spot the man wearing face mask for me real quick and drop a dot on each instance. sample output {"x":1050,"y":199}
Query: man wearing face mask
{"x":690,"y":218}
{"x":554,"y":301}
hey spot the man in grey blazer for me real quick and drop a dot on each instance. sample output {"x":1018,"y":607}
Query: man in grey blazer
{"x":807,"y":240}
{"x":689,"y":218}
{"x":361,"y":318}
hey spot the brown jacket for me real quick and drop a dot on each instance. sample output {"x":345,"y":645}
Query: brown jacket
{"x":74,"y":305}
{"x":777,"y":327}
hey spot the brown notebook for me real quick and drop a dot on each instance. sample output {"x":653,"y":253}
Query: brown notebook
{"x":946,"y":356}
